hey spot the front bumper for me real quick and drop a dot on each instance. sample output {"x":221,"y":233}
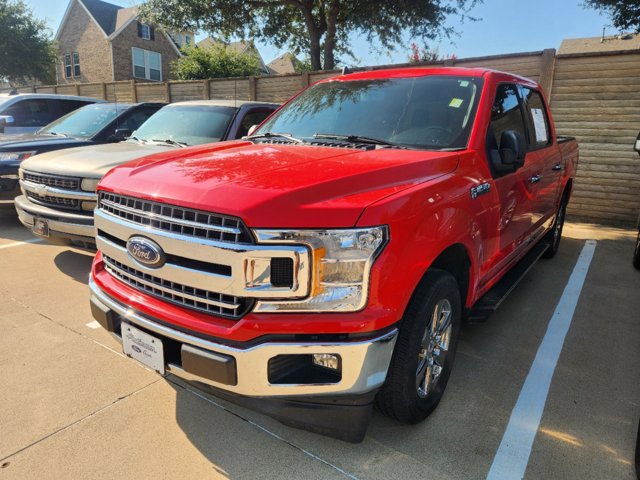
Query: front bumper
{"x":64,"y":227}
{"x":340,"y":409}
{"x":364,"y":363}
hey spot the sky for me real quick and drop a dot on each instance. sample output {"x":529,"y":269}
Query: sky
{"x":504,"y":26}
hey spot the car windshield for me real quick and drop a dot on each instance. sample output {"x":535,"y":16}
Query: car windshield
{"x":428,"y":112}
{"x":84,"y":122}
{"x":186,"y":125}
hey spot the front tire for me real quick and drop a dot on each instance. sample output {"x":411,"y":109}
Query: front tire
{"x":425,"y":350}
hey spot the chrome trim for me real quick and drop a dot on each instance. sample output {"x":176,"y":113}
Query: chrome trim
{"x":164,"y":218}
{"x":243,"y":282}
{"x":45,"y":190}
{"x":364,"y":364}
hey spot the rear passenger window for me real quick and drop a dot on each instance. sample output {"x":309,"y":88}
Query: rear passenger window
{"x":506,"y":114}
{"x":539,"y":133}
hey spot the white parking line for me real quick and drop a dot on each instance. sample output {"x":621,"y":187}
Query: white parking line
{"x":93,"y":325}
{"x":513,"y":454}
{"x":17,"y":244}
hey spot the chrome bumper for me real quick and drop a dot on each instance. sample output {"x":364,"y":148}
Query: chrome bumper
{"x":61,"y":223}
{"x":364,"y":364}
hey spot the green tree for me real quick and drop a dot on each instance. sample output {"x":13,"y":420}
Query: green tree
{"x":26,"y":49}
{"x":625,"y":14}
{"x":214,"y":61}
{"x":319,"y":28}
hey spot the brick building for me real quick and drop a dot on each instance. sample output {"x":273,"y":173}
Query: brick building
{"x":102,"y":42}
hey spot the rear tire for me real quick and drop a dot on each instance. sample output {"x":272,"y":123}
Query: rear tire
{"x":425,"y":350}
{"x":553,"y":237}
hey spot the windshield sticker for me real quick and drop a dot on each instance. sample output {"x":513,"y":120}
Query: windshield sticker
{"x":539,"y":125}
{"x":456,"y":102}
{"x":464,"y":83}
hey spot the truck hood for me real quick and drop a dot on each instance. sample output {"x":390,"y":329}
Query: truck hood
{"x":21,"y":143}
{"x":278,"y":186}
{"x":92,"y":161}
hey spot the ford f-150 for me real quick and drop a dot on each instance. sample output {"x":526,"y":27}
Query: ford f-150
{"x":325,"y":262}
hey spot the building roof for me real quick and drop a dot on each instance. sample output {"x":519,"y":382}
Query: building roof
{"x":105,"y":14}
{"x":124,"y":15}
{"x":285,"y":63}
{"x":611,"y":43}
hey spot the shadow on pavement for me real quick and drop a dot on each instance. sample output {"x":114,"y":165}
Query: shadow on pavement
{"x":75,"y":264}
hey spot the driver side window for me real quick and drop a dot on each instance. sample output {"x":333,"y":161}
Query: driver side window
{"x":506,"y":114}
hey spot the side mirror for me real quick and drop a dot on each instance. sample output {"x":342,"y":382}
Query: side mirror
{"x":4,"y":121}
{"x":637,"y":145}
{"x":252,"y":129}
{"x":120,"y":134}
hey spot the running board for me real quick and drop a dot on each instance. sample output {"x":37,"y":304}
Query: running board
{"x":491,"y":300}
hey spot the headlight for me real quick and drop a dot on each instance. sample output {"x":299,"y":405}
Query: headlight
{"x":15,"y":156}
{"x":342,"y":262}
{"x":89,"y":184}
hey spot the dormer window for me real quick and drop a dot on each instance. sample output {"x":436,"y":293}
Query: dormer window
{"x":145,"y":31}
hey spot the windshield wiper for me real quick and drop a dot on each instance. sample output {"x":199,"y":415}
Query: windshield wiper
{"x":56,"y":134}
{"x":358,"y":139}
{"x":171,"y":142}
{"x":288,"y":136}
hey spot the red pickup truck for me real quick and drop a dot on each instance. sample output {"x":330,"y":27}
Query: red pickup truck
{"x":325,"y":263}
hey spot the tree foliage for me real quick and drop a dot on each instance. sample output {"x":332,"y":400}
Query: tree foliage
{"x":625,"y":14}
{"x":26,"y":50}
{"x":319,"y":28}
{"x":214,"y":61}
{"x":425,"y":54}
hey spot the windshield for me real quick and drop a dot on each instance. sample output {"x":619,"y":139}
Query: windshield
{"x":190,"y":125}
{"x":430,"y":112}
{"x":84,"y":122}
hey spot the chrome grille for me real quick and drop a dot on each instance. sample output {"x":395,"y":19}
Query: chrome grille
{"x":70,"y":203}
{"x":184,"y":296}
{"x":175,"y":219}
{"x":69,"y":183}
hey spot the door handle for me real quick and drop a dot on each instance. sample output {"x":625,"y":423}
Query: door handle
{"x":557,"y":167}
{"x":535,"y":179}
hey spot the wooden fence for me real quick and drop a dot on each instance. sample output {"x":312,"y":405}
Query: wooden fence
{"x":593,"y":97}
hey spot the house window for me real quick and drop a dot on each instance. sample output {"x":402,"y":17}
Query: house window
{"x":76,"y":64}
{"x":146,"y":64}
{"x":67,"y":66}
{"x":187,"y":39}
{"x":145,"y":31}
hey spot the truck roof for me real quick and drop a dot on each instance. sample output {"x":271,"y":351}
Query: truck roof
{"x":421,"y":72}
{"x":48,"y":96}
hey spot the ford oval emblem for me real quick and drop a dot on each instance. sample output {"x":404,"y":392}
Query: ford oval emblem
{"x":146,"y":252}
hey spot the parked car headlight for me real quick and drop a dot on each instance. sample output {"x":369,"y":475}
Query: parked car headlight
{"x":341,"y":263}
{"x":11,"y":157}
{"x":89,"y":184}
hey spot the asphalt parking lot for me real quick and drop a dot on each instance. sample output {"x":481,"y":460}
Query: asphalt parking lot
{"x":72,"y":406}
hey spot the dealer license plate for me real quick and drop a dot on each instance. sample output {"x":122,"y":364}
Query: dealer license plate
{"x":143,"y":347}
{"x":41,"y":227}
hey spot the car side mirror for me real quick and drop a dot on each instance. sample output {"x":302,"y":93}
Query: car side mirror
{"x":252,"y":129}
{"x":512,"y":149}
{"x":4,"y":121}
{"x":637,"y":145}
{"x":120,"y":134}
